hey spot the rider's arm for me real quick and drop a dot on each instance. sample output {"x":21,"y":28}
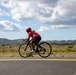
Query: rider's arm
{"x":28,"y":38}
{"x":30,"y":34}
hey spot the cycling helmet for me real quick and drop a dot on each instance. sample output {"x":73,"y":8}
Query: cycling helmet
{"x":28,"y":29}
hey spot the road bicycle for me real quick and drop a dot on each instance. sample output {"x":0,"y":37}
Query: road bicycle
{"x":43,"y":49}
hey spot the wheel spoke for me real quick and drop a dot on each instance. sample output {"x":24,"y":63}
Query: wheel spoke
{"x":45,"y":49}
{"x":24,"y":50}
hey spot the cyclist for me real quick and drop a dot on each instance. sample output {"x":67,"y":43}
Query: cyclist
{"x":34,"y":38}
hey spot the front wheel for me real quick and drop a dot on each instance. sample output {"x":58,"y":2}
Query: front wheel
{"x":24,"y":50}
{"x":45,"y":49}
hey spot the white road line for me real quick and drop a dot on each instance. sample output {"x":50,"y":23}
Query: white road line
{"x":38,"y":59}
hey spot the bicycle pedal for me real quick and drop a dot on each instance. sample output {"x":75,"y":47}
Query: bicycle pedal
{"x":31,"y":55}
{"x":44,"y":50}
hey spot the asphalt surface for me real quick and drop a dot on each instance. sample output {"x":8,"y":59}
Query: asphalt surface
{"x":19,"y":66}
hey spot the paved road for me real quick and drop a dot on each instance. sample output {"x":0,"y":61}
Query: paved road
{"x":37,"y":67}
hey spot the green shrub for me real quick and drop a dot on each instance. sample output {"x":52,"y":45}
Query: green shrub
{"x":71,"y":48}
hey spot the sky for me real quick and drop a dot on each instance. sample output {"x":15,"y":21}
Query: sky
{"x":52,"y":19}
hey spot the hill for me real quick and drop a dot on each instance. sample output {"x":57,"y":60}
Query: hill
{"x":61,"y":41}
{"x":7,"y":41}
{"x":19,"y":41}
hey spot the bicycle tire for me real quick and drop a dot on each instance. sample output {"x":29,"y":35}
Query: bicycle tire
{"x":23,"y":51}
{"x":48,"y":49}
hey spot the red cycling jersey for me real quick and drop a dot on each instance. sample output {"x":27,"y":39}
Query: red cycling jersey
{"x":33,"y":34}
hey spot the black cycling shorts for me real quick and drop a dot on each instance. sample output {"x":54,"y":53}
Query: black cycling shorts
{"x":36,"y":40}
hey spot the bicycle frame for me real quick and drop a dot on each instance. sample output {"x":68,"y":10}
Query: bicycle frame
{"x":36,"y":45}
{"x":44,"y":49}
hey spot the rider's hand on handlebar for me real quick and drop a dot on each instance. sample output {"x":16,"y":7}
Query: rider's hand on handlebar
{"x":27,"y":40}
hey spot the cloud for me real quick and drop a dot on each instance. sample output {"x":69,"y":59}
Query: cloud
{"x":3,"y":13}
{"x":63,"y":26}
{"x":6,"y":26}
{"x":43,"y":28}
{"x":29,"y":9}
{"x":46,"y":2}
{"x":58,"y":13}
{"x":64,"y":13}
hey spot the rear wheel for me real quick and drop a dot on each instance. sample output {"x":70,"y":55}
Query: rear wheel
{"x":45,"y":49}
{"x":24,"y":50}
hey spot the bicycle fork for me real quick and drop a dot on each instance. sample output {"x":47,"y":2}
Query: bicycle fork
{"x":26,"y":47}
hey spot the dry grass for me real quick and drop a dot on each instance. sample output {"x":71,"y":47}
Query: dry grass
{"x":12,"y":50}
{"x":64,"y":48}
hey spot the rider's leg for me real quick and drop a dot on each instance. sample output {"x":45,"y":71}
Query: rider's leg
{"x":34,"y":43}
{"x":33,"y":47}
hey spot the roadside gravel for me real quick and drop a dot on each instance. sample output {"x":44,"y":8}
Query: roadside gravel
{"x":58,"y":55}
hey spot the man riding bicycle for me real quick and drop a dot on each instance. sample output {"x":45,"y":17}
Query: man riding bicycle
{"x":34,"y":38}
{"x":32,"y":44}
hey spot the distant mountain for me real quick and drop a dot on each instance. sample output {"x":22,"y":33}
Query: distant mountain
{"x":7,"y":41}
{"x":19,"y":41}
{"x":61,"y":41}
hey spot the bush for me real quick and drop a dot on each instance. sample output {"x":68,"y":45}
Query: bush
{"x":71,"y":48}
